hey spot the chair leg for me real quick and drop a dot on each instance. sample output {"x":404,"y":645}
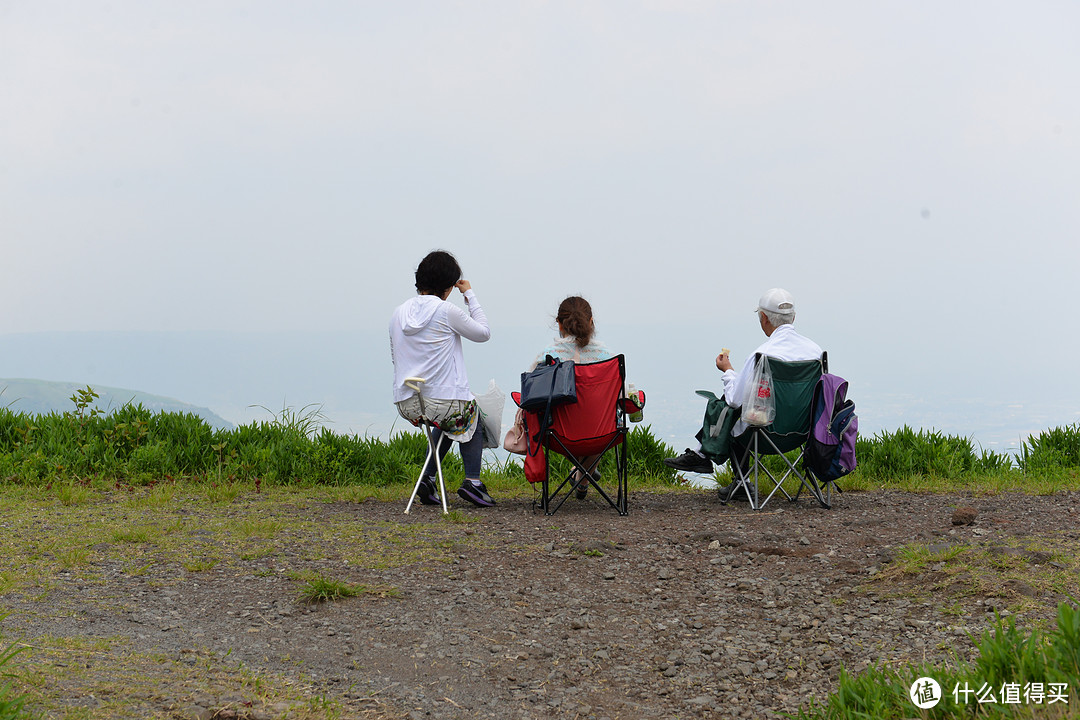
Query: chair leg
{"x":420,"y":478}
{"x":545,"y":494}
{"x":432,"y":450}
{"x":742,"y":479}
{"x":551,"y":501}
{"x":755,"y":502}
{"x":564,"y":483}
{"x":749,"y":480}
{"x":822,"y":492}
{"x":550,"y":495}
{"x":621,"y":461}
{"x":804,"y":479}
{"x":438,"y":470}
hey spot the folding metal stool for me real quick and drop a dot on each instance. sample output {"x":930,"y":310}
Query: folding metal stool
{"x":415,"y":383}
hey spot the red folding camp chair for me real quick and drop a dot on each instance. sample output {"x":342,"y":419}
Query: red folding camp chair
{"x":591,"y":426}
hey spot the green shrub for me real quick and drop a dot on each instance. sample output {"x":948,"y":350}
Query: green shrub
{"x":646,"y":455}
{"x":1051,"y":450}
{"x":929,"y":453}
{"x":150,"y":460}
{"x":133,"y":442}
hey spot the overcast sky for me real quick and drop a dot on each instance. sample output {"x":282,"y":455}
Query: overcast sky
{"x":909,"y":170}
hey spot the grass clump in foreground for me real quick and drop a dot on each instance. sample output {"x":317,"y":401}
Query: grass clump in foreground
{"x":318,"y":588}
{"x":10,"y":705}
{"x":1010,"y":574}
{"x":1034,"y":674}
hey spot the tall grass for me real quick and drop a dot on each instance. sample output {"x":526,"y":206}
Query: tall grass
{"x":134,"y":445}
{"x":11,"y":706}
{"x":1052,"y":449}
{"x":1006,"y":656}
{"x":926,"y":452}
{"x":929,"y":459}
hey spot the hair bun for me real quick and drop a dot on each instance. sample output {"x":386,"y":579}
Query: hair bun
{"x":575,"y":316}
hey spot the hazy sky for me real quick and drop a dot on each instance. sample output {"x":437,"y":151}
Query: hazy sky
{"x":909,"y":170}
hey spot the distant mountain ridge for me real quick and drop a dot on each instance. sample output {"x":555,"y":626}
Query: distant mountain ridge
{"x":41,"y":397}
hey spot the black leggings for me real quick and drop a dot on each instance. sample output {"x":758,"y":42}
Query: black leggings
{"x":471,"y":452}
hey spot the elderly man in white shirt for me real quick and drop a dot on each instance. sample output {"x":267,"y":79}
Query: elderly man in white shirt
{"x":776,"y":313}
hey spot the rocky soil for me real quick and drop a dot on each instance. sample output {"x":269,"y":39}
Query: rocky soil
{"x":685,"y":608}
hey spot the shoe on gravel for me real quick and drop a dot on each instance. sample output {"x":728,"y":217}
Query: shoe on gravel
{"x":427,"y":494}
{"x":476,"y":493}
{"x":733,"y":493}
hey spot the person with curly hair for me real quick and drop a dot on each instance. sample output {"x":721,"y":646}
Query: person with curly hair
{"x":425,"y":341}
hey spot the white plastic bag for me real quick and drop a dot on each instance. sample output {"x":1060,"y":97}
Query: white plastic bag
{"x":759,"y":406}
{"x":491,"y":405}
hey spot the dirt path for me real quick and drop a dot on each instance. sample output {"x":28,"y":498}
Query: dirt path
{"x":685,"y":608}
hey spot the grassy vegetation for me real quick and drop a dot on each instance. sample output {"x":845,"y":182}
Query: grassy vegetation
{"x":1008,"y":663}
{"x":929,"y":460}
{"x":1016,"y":574}
{"x":91,"y":678}
{"x":134,"y":446}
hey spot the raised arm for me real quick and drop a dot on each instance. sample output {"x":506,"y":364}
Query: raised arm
{"x":473,"y":326}
{"x":735,"y":382}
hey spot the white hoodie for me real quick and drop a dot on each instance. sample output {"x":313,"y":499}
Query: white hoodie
{"x":425,"y":341}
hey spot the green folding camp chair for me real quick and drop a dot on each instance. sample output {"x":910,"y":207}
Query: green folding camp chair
{"x":793,"y":386}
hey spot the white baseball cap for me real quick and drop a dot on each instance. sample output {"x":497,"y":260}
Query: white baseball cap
{"x":777,"y":300}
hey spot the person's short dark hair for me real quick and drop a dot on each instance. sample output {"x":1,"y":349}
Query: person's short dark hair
{"x":437,"y":273}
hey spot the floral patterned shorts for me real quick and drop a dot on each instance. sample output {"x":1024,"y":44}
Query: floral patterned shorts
{"x":456,"y":418}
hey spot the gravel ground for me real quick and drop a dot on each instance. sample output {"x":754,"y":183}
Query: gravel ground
{"x":685,"y":608}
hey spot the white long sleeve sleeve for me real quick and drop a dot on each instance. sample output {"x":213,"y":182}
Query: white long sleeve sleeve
{"x":473,"y":326}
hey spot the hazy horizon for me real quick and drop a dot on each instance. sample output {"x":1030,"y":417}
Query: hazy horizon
{"x":321,"y":369}
{"x":908,"y":171}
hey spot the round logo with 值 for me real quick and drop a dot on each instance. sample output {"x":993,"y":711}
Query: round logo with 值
{"x":925,"y":693}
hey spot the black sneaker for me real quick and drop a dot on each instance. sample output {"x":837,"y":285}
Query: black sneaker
{"x":733,"y":493}
{"x":427,"y":494}
{"x":690,"y":461}
{"x":476,"y":494}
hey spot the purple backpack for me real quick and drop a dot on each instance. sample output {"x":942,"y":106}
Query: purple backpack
{"x":834,"y":428}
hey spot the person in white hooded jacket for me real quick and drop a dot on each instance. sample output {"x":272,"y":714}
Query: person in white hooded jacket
{"x":425,"y":341}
